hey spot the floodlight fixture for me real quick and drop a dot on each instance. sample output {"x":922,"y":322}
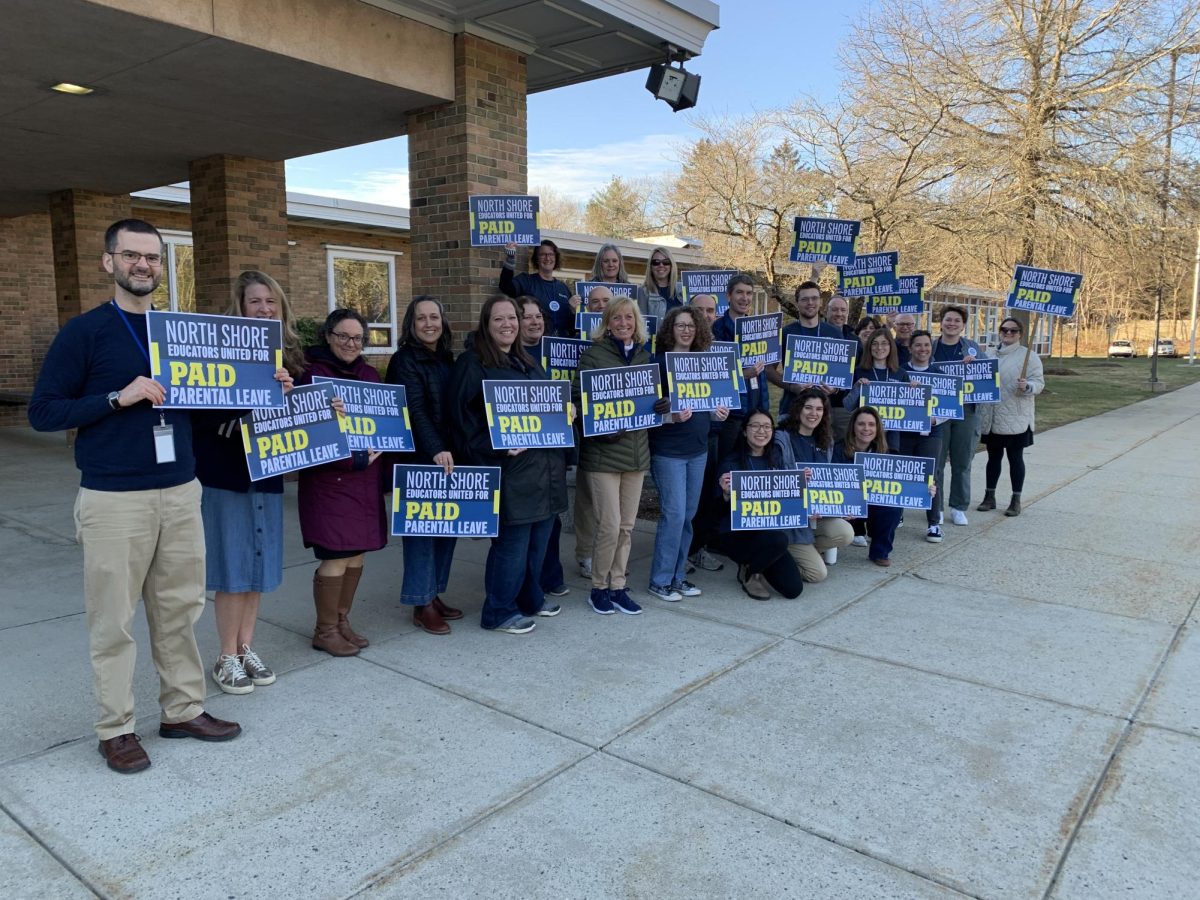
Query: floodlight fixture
{"x":673,"y":84}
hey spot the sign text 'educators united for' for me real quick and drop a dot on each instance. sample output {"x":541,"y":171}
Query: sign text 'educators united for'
{"x":216,"y":362}
{"x":301,"y":434}
{"x":524,"y":414}
{"x":619,"y":399}
{"x":376,"y":414}
{"x":427,"y":502}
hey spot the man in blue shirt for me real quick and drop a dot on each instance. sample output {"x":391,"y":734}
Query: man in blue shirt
{"x":808,"y":306}
{"x":739,"y":293}
{"x":138,"y":510}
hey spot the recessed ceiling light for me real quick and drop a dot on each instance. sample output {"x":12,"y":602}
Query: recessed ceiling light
{"x":65,"y":87}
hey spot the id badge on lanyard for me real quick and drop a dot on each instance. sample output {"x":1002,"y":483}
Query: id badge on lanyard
{"x":164,"y":441}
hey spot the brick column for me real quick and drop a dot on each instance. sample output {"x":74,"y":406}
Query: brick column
{"x":475,"y":145}
{"x":239,"y":222}
{"x":28,"y":310}
{"x":78,"y":220}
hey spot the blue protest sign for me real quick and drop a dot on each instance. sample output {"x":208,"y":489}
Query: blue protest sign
{"x":703,"y":381}
{"x":376,"y":414}
{"x":523,"y":414}
{"x":981,"y":378}
{"x":724,"y":347}
{"x":870,"y":274}
{"x":758,"y":338}
{"x":705,"y":281}
{"x":767,"y":500}
{"x":300,"y":434}
{"x":819,"y":360}
{"x":902,"y":406}
{"x":829,"y":241}
{"x":1044,"y":291}
{"x":947,"y":400}
{"x":427,"y":502}
{"x":560,"y":356}
{"x":619,"y":399}
{"x":835,"y":489}
{"x":215,"y":362}
{"x":909,"y":298}
{"x":501,"y":219}
{"x":651,"y":333}
{"x":586,"y":323}
{"x":901,"y":481}
{"x":583,"y":288}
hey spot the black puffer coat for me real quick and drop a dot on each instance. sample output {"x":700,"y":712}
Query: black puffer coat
{"x":426,"y":378}
{"x":533,"y":484}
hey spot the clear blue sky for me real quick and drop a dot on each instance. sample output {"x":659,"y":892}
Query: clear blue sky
{"x":765,"y":53}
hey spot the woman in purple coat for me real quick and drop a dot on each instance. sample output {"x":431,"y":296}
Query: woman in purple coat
{"x":342,"y":514}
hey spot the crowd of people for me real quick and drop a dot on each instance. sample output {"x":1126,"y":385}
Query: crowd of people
{"x":167,"y":511}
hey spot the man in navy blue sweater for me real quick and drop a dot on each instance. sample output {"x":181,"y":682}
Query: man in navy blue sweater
{"x":138,"y":510}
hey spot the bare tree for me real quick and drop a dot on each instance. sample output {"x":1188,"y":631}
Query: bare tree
{"x":558,"y":211}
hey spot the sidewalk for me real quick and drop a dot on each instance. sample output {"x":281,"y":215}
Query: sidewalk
{"x":1012,"y":713}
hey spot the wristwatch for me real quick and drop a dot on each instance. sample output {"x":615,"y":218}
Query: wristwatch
{"x":114,"y":400}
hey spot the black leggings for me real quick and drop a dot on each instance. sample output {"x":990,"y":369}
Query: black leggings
{"x":1016,"y":466}
{"x":764,"y":552}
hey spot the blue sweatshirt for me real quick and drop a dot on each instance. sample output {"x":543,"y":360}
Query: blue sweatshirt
{"x":554,"y":297}
{"x":93,"y":355}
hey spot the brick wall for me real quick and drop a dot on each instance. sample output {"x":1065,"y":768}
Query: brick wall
{"x":239,"y":222}
{"x":475,"y":145}
{"x":78,"y":220}
{"x":28,"y":309}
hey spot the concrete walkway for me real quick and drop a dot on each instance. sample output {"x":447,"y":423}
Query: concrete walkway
{"x":1013,"y":713}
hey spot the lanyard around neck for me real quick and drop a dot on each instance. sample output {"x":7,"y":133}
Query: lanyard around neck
{"x":133,"y":334}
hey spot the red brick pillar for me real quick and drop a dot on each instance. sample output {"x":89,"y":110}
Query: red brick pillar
{"x":28,"y":309}
{"x":78,"y":220}
{"x":475,"y":145}
{"x":239,"y":222}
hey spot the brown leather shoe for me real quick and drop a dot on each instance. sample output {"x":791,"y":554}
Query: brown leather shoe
{"x":203,"y":728}
{"x":124,"y":754}
{"x":882,"y":562}
{"x":428,"y":618}
{"x":446,"y":612}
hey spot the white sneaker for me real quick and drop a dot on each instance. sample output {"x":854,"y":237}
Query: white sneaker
{"x":941,"y":518}
{"x":231,"y":677}
{"x":585,"y":568}
{"x":830,"y":556}
{"x":958,"y":517}
{"x":256,"y":670}
{"x":860,"y":540}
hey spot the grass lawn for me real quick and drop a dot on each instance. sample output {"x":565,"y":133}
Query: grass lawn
{"x":1096,"y":386}
{"x":1099,"y":385}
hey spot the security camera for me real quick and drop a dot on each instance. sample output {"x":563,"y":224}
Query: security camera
{"x":677,"y":87}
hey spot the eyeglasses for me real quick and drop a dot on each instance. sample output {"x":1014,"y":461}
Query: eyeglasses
{"x":353,"y":340}
{"x":1010,"y":330}
{"x":660,"y":262}
{"x":685,"y":326}
{"x":132,"y":256}
{"x":760,"y":426}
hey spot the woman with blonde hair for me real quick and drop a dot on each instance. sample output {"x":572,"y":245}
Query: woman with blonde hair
{"x":243,"y":520}
{"x":614,"y":464}
{"x":662,"y":280}
{"x":609,"y":267}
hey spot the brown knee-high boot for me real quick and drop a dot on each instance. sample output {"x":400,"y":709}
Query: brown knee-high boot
{"x":349,"y":586}
{"x":327,"y":593}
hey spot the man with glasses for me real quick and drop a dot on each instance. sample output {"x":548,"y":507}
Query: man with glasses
{"x":808,"y":306}
{"x":138,"y":509}
{"x":559,"y":303}
{"x":904,"y":324}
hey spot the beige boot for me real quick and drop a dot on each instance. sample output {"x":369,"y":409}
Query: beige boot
{"x":327,"y":592}
{"x":349,"y":586}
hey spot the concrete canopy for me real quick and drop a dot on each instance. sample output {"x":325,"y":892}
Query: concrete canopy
{"x":178,"y":80}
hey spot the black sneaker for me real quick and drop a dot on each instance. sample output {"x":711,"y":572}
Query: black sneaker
{"x":623,"y":602}
{"x":600,"y":601}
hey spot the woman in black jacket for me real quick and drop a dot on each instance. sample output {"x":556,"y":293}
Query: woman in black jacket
{"x":422,"y":363}
{"x":533,"y":483}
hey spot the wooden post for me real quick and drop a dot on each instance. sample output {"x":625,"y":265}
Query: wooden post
{"x":1033,"y":320}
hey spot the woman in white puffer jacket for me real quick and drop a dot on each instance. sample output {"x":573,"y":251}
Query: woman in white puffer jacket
{"x":1007,"y":426}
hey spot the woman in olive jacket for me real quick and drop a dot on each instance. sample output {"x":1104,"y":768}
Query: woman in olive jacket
{"x":614,"y":465}
{"x":422,"y":363}
{"x":533,"y":482}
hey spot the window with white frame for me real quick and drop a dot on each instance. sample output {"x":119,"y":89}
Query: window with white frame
{"x":365,"y":281}
{"x":177,"y":291}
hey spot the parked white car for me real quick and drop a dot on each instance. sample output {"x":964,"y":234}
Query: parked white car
{"x":1166,"y":347}
{"x":1121,"y":348}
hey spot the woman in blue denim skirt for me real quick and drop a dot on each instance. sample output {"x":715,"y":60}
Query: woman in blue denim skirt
{"x":422,"y":363}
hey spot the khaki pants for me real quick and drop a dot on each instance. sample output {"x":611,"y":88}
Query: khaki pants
{"x":830,"y":532}
{"x":615,"y":496}
{"x":585,"y":518}
{"x":148,"y":544}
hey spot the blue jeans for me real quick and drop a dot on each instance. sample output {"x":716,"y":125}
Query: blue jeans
{"x":552,"y":570}
{"x":511,"y":578}
{"x":679,"y":481}
{"x":426,"y":568}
